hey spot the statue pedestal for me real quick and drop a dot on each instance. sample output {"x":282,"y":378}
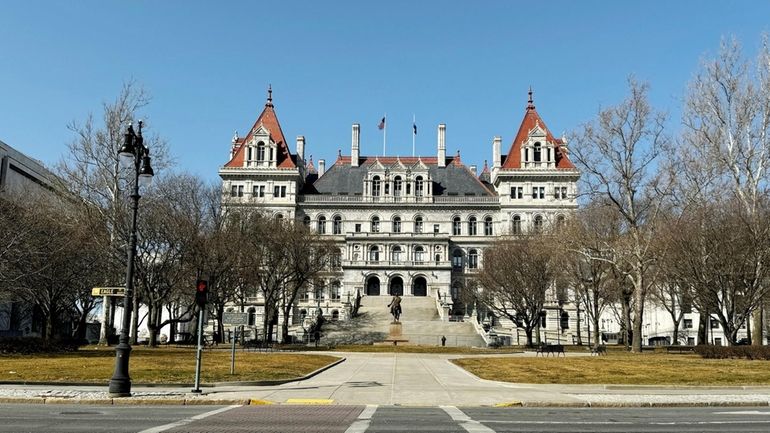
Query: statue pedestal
{"x":395,"y":335}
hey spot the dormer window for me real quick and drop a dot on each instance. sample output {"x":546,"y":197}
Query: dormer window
{"x":261,"y":151}
{"x":376,"y":184}
{"x":537,"y":152}
{"x":418,"y":186}
{"x":397,"y":185}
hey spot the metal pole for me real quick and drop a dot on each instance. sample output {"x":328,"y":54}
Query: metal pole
{"x":199,"y":353}
{"x":120,"y":384}
{"x":232,"y":355}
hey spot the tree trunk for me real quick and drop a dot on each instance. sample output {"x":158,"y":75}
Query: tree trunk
{"x":757,"y":326}
{"x":528,"y":332}
{"x":703,"y":337}
{"x":597,"y":337}
{"x":626,"y":324}
{"x":638,"y":316}
{"x":104,"y":330}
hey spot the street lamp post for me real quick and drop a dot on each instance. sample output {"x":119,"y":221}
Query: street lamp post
{"x":132,"y":151}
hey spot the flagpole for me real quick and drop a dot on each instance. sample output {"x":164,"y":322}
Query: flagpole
{"x":384,"y":133}
{"x":414,"y":135}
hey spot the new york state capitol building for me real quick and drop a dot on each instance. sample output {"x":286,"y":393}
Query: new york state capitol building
{"x":413,"y":226}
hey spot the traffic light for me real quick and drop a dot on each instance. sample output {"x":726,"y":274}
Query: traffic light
{"x":201,"y":292}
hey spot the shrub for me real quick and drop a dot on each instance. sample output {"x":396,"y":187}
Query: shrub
{"x":28,"y":345}
{"x":730,"y":352}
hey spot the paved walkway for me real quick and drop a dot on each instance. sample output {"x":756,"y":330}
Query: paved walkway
{"x":426,"y":380}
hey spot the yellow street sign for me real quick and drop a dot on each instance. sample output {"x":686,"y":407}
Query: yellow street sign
{"x":108,"y":291}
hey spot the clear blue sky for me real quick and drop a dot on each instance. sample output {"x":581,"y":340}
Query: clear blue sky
{"x":467,"y":64}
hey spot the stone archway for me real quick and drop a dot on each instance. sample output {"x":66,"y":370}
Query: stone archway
{"x":420,"y":287}
{"x":396,"y":286}
{"x":373,"y":286}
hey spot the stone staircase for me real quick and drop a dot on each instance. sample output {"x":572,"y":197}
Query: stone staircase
{"x":420,"y":321}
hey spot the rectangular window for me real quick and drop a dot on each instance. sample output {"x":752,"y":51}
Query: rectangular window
{"x":542,"y":192}
{"x":240,"y":190}
{"x":714,"y":323}
{"x":688,"y":323}
{"x":564,"y":192}
{"x":262,"y":190}
{"x":718,"y":341}
{"x":435,"y":228}
{"x":283,"y":191}
{"x":691,"y":341}
{"x":255,"y":191}
{"x":233,"y":191}
{"x":276,"y":190}
{"x":358,"y":228}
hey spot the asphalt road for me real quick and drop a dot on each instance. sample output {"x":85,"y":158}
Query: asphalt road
{"x":358,"y":419}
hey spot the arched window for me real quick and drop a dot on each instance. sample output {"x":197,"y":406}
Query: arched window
{"x":516,"y":225}
{"x":302,"y":314}
{"x":375,"y":224}
{"x":374,"y":254}
{"x":538,"y":223}
{"x":418,"y":224}
{"x":260,"y":151}
{"x":397,"y":186}
{"x":252,"y":316}
{"x":322,"y":225}
{"x":278,"y":217}
{"x":536,"y":154}
{"x":560,"y":221}
{"x":337,"y":225}
{"x":306,"y":221}
{"x":419,"y":254}
{"x":395,"y":254}
{"x":418,"y":186}
{"x":472,"y":229}
{"x":376,"y":184}
{"x":473,"y":259}
{"x":488,"y":226}
{"x":457,"y":259}
{"x":456,"y":226}
{"x":396,"y":224}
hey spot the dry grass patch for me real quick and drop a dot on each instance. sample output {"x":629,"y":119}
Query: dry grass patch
{"x":161,"y":365}
{"x":406,"y":348}
{"x":622,"y":368}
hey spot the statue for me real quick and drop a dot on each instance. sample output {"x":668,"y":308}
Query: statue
{"x":395,"y":307}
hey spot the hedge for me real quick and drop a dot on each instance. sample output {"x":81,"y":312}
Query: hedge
{"x":728,"y":352}
{"x":28,"y":345}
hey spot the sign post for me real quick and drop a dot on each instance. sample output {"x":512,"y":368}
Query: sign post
{"x":235,"y":319}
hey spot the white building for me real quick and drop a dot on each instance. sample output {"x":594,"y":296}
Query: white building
{"x":414,"y":226}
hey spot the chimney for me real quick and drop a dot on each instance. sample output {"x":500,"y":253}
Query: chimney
{"x":356,"y":143}
{"x":321,"y":167}
{"x":301,"y":147}
{"x":442,"y":145}
{"x":497,"y":145}
{"x":473,"y":170}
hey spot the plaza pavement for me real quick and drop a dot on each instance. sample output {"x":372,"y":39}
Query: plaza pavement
{"x":404,"y":379}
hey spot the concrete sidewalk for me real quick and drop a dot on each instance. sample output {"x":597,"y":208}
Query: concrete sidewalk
{"x":405,"y":379}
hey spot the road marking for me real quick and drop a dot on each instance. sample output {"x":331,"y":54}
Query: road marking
{"x":309,"y":401}
{"x":186,"y":421}
{"x":465,"y":421}
{"x":362,"y":422}
{"x":743,"y":412}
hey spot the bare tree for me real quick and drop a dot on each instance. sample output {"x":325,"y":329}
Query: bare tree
{"x":516,"y":275}
{"x":727,"y":121}
{"x":617,"y":154}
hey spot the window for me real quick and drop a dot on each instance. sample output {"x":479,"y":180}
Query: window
{"x":457,"y":260}
{"x":376,"y":186}
{"x":517,"y":192}
{"x":538,"y":223}
{"x":375,"y":224}
{"x":397,"y":186}
{"x":473,"y":259}
{"x":335,"y":291}
{"x":258,"y":191}
{"x":358,"y":228}
{"x":252,"y":316}
{"x":688,"y":323}
{"x":248,"y":157}
{"x":322,"y":225}
{"x":488,"y":226}
{"x":543,"y":319}
{"x":419,"y":254}
{"x":714,"y":323}
{"x":564,"y":320}
{"x":516,"y":225}
{"x":456,"y":226}
{"x":304,"y":296}
{"x":374,"y":254}
{"x":418,"y":224}
{"x":536,"y":152}
{"x":335,"y":261}
{"x":234,"y":191}
{"x":538,"y":192}
{"x":395,"y":254}
{"x":564,"y":192}
{"x":279,"y":191}
{"x":319,"y":290}
{"x":306,"y":221}
{"x":435,"y":228}
{"x":240,"y":190}
{"x":260,"y":151}
{"x":718,"y":341}
{"x":418,"y":186}
{"x":337,"y":225}
{"x":560,"y":221}
{"x":397,"y":225}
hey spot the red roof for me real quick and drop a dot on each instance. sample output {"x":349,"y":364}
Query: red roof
{"x":530,"y":121}
{"x":269,"y":120}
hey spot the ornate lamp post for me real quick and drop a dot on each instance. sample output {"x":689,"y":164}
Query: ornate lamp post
{"x":133,"y":151}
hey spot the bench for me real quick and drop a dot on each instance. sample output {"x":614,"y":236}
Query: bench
{"x":599,"y":350}
{"x":680,"y":349}
{"x":548,"y":349}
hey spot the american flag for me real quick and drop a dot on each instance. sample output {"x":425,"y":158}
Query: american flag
{"x":382,"y":124}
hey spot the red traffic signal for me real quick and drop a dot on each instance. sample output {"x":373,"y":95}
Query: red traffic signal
{"x":201,"y":292}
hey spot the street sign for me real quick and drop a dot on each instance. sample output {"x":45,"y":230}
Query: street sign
{"x":108,"y":291}
{"x":235,"y":318}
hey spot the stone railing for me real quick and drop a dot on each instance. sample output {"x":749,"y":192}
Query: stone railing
{"x":324,"y":198}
